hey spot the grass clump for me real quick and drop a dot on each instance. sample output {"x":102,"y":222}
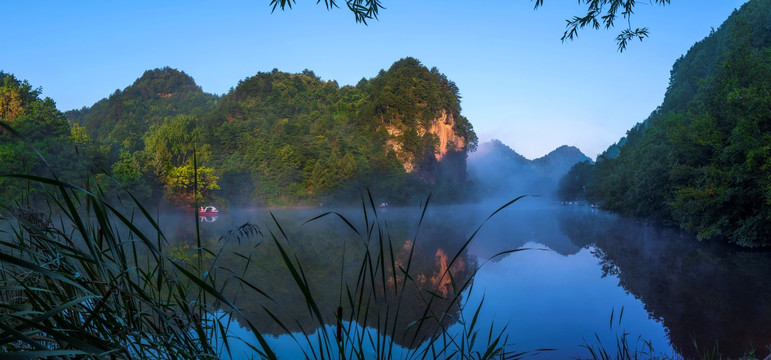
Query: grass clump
{"x":628,"y":347}
{"x":79,"y":278}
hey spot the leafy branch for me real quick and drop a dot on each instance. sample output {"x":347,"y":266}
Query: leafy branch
{"x":599,"y":13}
{"x":363,"y":10}
{"x":603,"y":13}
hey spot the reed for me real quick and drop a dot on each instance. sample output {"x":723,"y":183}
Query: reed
{"x":362,"y":331}
{"x":79,"y":278}
{"x":628,"y":347}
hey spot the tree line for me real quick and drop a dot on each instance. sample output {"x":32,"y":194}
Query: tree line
{"x":276,"y":139}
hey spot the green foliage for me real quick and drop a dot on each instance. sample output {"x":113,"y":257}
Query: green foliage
{"x":127,"y":115}
{"x":126,"y":169}
{"x":599,"y":13}
{"x":595,"y":18}
{"x":702,"y":159}
{"x":173,"y":142}
{"x":26,"y":120}
{"x":276,"y":138}
{"x":170,"y":151}
{"x":180,"y":184}
{"x":363,"y":10}
{"x":294,"y":138}
{"x":80,"y":280}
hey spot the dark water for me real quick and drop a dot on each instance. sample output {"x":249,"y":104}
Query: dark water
{"x":659,"y":285}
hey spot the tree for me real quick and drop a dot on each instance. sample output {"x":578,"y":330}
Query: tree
{"x":126,"y":169}
{"x":599,"y":13}
{"x":172,"y":151}
{"x":181,"y":182}
{"x":572,"y":186}
{"x":10,"y":101}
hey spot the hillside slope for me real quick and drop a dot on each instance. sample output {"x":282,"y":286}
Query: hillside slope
{"x":127,"y":114}
{"x":702,"y":160}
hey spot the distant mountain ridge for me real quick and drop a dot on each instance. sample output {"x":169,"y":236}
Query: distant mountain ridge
{"x":496,"y":169}
{"x":559,"y":161}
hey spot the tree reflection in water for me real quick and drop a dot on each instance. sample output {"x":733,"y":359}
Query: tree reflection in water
{"x":700,"y":291}
{"x":705,"y":293}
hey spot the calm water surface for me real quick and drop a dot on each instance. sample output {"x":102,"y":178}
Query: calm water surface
{"x":584,"y":267}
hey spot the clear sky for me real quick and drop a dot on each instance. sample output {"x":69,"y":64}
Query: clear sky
{"x":520,"y":84}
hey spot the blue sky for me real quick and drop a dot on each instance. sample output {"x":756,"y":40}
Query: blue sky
{"x":519,"y":82}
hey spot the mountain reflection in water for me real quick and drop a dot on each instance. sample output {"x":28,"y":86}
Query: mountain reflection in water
{"x":331,"y":256}
{"x":674,"y":289}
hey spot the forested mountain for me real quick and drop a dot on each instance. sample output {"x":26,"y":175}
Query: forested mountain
{"x":559,"y":161}
{"x":276,"y":138}
{"x":290,"y":137}
{"x":702,"y":160}
{"x":125,"y":116}
{"x":497,"y":170}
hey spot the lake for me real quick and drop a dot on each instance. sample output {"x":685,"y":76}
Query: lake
{"x":587,"y":277}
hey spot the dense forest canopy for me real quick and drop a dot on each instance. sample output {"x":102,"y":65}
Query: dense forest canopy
{"x":702,"y":160}
{"x":126,"y":115}
{"x":275,"y":139}
{"x":22,"y":111}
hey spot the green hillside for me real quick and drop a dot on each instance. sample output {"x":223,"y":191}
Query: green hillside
{"x":276,"y":139}
{"x":24,"y":113}
{"x":125,"y":116}
{"x":702,"y":160}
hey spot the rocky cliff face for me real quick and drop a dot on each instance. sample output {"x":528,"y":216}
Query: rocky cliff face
{"x":440,"y":133}
{"x":449,"y":141}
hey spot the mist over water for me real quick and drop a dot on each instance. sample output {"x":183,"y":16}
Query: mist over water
{"x":497,"y":172}
{"x":584,"y":266}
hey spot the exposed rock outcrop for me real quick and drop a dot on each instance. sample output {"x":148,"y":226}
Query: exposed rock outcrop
{"x":442,"y":135}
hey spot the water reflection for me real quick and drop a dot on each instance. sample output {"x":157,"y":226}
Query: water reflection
{"x":394,"y":278}
{"x":704,"y":293}
{"x":207,"y":218}
{"x":698,"y":291}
